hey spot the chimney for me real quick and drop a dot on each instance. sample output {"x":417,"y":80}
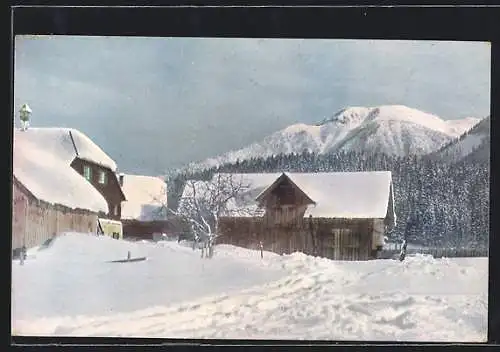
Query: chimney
{"x":120,"y":178}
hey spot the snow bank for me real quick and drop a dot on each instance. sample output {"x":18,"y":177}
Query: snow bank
{"x":69,"y":290}
{"x":50,"y":178}
{"x":146,"y":196}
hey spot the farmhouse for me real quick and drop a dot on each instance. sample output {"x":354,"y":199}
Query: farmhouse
{"x":48,"y":195}
{"x":144,"y":212}
{"x":341,"y":216}
{"x":73,"y":148}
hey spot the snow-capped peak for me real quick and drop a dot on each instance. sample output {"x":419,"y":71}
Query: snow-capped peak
{"x":350,"y":115}
{"x":302,"y":128}
{"x":404,"y":113}
{"x":391,"y":129}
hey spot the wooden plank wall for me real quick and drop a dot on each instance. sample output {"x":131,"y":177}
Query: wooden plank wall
{"x":338,"y":239}
{"x":145,"y":229}
{"x":33,"y":221}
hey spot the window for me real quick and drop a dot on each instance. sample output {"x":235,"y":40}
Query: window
{"x":87,"y":172}
{"x":103,"y":177}
{"x":115,"y":210}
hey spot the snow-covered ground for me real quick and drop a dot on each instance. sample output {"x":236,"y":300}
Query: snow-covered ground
{"x":70,"y":289}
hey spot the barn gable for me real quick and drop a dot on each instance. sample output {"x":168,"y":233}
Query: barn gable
{"x":283,"y":191}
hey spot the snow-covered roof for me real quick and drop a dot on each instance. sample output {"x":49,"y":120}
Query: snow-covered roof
{"x":336,"y":194}
{"x":146,"y":197}
{"x":58,"y":142}
{"x":48,"y":174}
{"x":346,"y":194}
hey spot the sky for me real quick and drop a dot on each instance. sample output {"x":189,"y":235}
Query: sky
{"x":155,"y":104}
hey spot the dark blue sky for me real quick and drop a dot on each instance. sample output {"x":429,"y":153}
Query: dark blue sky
{"x":158,"y":103}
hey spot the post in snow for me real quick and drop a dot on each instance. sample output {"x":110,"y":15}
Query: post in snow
{"x":402,"y":254}
{"x":24,"y":116}
{"x":261,"y":245}
{"x":23,"y":255}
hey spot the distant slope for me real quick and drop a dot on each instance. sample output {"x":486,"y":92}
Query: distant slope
{"x":474,"y":144}
{"x":390,"y":129}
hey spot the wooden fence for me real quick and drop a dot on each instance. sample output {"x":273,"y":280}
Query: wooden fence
{"x":35,"y":221}
{"x":438,"y":252}
{"x":145,"y":229}
{"x":338,"y":239}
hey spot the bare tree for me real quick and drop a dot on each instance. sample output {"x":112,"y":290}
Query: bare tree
{"x":160,"y":206}
{"x":203,"y":202}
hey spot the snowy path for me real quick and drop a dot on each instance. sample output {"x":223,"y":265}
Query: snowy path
{"x":289,"y":297}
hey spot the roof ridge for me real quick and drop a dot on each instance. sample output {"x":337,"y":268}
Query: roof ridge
{"x":73,"y":142}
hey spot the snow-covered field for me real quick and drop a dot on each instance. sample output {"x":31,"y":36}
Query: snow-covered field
{"x":70,"y":289}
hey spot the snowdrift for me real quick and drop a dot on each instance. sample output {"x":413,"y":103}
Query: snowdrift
{"x":68,"y":289}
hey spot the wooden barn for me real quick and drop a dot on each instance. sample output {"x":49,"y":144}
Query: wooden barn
{"x":341,"y":216}
{"x":48,"y":195}
{"x":144,"y":212}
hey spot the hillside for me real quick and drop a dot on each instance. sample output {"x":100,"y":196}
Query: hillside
{"x":391,"y":129}
{"x":474,"y":145}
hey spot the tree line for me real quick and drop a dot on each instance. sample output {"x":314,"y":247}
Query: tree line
{"x":437,"y":203}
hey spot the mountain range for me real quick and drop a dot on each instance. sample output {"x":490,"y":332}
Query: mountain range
{"x":391,"y":129}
